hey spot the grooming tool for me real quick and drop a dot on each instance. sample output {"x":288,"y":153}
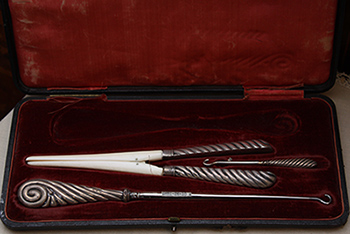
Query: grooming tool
{"x":45,"y":193}
{"x":136,"y":162}
{"x":290,"y":162}
{"x":240,"y":147}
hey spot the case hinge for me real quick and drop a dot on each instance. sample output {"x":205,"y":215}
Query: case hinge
{"x":272,"y":94}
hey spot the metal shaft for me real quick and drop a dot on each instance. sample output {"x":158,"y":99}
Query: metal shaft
{"x":290,"y":162}
{"x":247,"y":178}
{"x":42,"y":193}
{"x":240,"y":147}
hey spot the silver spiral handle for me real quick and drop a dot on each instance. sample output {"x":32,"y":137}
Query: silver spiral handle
{"x":297,"y":163}
{"x":45,"y":193}
{"x":252,"y":179}
{"x":240,"y":147}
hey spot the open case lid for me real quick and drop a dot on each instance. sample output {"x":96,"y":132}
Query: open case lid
{"x":113,"y":46}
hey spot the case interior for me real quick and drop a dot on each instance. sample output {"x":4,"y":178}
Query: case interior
{"x":297,"y":128}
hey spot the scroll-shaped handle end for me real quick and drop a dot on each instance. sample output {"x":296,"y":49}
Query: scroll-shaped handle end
{"x":46,"y":193}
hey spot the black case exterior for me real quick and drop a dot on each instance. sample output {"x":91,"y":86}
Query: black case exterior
{"x":164,"y":93}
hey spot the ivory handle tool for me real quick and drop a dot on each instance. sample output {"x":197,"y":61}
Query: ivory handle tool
{"x":137,"y":162}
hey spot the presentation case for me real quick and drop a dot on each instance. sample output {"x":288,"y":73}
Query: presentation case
{"x":135,"y":75}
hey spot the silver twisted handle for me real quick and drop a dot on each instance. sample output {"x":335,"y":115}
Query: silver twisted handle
{"x":240,"y":147}
{"x":296,"y":162}
{"x":247,"y":178}
{"x":46,"y":193}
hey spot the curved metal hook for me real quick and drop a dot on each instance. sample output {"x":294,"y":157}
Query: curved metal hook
{"x":205,"y":163}
{"x":228,"y":162}
{"x":325,"y":202}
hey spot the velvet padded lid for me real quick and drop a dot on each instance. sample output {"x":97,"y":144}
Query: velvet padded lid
{"x":85,"y":44}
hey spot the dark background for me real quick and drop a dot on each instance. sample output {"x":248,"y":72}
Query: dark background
{"x":10,"y":95}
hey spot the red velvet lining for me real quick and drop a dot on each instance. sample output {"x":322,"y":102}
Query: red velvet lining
{"x":296,"y":128}
{"x":107,"y":43}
